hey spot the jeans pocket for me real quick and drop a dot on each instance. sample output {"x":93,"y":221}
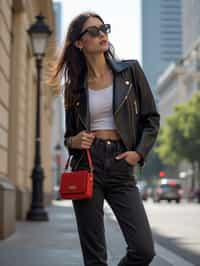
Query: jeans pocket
{"x":127,"y":163}
{"x":120,"y":162}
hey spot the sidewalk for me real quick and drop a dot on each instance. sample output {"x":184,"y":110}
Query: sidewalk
{"x":56,"y":243}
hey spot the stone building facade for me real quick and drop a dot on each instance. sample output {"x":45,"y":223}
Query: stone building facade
{"x":18,"y":110}
{"x":179,"y":81}
{"x":191,"y":27}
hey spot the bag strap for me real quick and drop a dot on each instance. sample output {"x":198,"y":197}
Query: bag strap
{"x":67,"y":163}
{"x":89,"y":160}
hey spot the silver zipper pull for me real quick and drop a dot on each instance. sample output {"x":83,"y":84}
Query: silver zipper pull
{"x":136,"y":109}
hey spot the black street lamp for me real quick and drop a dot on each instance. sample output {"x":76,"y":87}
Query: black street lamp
{"x":39,"y":33}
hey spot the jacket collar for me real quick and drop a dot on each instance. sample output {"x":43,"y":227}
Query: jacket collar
{"x":118,"y":65}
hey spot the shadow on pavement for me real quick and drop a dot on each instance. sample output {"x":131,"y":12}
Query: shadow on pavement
{"x":175,"y":244}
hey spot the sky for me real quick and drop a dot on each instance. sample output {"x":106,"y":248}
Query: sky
{"x":124,"y":17}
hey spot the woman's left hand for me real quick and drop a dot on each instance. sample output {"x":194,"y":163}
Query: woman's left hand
{"x":132,"y":157}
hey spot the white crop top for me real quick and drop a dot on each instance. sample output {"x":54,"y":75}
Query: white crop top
{"x":100,"y":106}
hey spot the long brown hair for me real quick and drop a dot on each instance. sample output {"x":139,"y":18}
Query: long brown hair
{"x":72,"y":63}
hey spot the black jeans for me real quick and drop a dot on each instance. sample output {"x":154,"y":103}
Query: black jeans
{"x":115,"y":182}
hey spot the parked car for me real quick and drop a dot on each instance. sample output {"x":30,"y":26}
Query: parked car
{"x":168,"y":189}
{"x":143,"y":189}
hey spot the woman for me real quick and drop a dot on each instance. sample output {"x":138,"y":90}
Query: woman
{"x":111,"y":111}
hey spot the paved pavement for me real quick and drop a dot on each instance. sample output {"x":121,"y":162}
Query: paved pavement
{"x":176,"y":226}
{"x":56,"y":243}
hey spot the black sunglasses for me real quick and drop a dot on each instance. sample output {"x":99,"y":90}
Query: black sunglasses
{"x":95,"y":31}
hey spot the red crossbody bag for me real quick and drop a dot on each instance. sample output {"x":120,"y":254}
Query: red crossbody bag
{"x":77,"y":184}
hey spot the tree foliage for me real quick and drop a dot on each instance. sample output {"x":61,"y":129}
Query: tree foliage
{"x":179,"y":138}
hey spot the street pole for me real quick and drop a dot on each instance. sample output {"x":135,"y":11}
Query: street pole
{"x":37,"y":211}
{"x":39,"y":33}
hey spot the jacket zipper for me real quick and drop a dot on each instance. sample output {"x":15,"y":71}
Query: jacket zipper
{"x":125,"y":98}
{"x":136,"y":109}
{"x":82,"y":120}
{"x":129,"y":111}
{"x":122,"y":102}
{"x":133,"y":121}
{"x":129,"y":115}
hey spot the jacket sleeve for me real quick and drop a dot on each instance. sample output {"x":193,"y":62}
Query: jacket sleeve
{"x":148,"y":115}
{"x":69,"y":127}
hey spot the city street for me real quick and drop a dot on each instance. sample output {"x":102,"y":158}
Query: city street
{"x":176,"y":227}
{"x":175,"y":230}
{"x":56,"y":242}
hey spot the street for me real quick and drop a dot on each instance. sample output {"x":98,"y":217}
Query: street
{"x":176,"y":226}
{"x":175,"y":230}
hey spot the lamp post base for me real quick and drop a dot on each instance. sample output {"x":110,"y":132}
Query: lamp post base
{"x":38,"y":214}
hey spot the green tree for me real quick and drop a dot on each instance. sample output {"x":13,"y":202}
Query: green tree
{"x":179,"y":138}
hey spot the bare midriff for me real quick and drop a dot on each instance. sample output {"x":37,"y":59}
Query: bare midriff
{"x":107,"y":134}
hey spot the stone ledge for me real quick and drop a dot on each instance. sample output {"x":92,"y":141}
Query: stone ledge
{"x":6,"y":184}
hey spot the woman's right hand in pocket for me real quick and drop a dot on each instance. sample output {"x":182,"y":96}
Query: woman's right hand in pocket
{"x":83,"y":140}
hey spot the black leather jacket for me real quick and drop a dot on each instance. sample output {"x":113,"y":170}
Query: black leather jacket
{"x":134,"y":110}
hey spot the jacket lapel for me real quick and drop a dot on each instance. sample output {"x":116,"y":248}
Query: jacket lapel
{"x":82,"y":106}
{"x":120,"y":92}
{"x":121,"y":83}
